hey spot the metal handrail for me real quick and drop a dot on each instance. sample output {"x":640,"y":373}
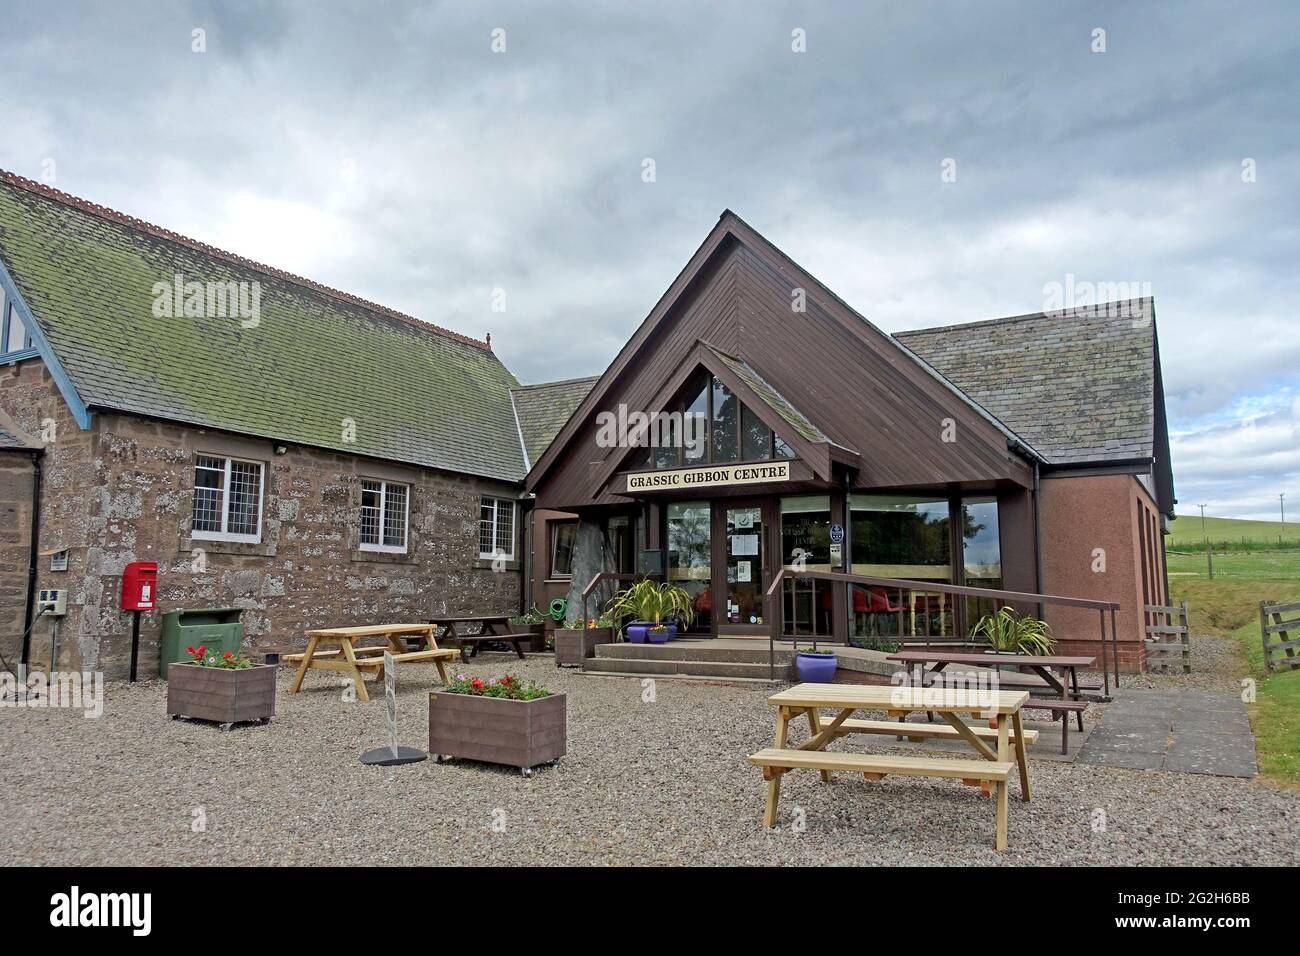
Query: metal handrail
{"x":1027,"y":597}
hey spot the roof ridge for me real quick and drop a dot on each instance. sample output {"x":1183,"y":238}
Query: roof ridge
{"x":1075,"y":312}
{"x":113,"y":215}
{"x":562,"y":381}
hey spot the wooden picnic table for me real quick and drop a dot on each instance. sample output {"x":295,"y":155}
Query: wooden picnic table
{"x":352,"y":660}
{"x":1065,"y":689}
{"x":493,"y":627}
{"x":1000,"y":708}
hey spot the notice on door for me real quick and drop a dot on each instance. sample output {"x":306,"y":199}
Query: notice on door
{"x":721,"y":475}
{"x":744,"y":544}
{"x":744,"y":573}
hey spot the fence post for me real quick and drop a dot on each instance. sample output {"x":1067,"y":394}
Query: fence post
{"x":1263,"y":634}
{"x":1187,"y":637}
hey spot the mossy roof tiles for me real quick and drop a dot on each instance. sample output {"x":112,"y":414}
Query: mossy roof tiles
{"x":317,"y":359}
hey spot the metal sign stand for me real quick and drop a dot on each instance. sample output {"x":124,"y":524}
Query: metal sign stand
{"x":391,"y":755}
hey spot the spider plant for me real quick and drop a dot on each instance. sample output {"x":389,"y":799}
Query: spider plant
{"x":651,"y":602}
{"x":1008,"y":631}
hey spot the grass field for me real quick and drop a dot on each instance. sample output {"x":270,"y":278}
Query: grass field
{"x":1229,"y":606}
{"x":1185,"y":533}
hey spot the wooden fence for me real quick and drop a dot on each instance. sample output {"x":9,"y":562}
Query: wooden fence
{"x":1168,"y":638}
{"x":1279,"y":645}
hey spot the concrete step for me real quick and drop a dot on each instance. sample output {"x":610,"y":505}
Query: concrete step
{"x":692,"y":651}
{"x":719,"y":670}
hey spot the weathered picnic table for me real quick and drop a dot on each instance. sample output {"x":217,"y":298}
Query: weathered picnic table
{"x":1000,"y":708}
{"x":352,"y":660}
{"x":1065,"y":692}
{"x":493,"y":627}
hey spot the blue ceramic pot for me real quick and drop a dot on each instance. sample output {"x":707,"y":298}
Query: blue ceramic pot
{"x":815,"y":668}
{"x":636,"y":632}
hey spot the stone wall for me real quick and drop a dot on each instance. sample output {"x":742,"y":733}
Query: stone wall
{"x":15,"y":547}
{"x":123,"y":492}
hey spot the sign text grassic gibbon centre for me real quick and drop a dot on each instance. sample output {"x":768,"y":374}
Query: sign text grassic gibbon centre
{"x":708,"y":477}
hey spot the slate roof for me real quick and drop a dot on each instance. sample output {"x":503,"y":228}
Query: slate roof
{"x":11,"y":442}
{"x":1079,"y":386}
{"x":797,"y":420}
{"x":318,"y":357}
{"x":542,"y":410}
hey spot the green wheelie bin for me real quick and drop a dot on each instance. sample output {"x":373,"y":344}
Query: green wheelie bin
{"x":218,"y":628}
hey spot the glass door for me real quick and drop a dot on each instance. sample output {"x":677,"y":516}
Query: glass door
{"x":690,"y":554}
{"x":744,"y":580}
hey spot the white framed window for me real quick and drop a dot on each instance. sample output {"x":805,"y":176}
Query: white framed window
{"x":227,"y":499}
{"x":496,"y":528}
{"x":385,"y":513}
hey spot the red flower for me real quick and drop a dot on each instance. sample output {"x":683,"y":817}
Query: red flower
{"x":228,"y":655}
{"x":202,"y":649}
{"x":190,"y":649}
{"x":476,"y":683}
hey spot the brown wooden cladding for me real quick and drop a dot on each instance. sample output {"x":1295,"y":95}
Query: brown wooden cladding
{"x":851,"y":380}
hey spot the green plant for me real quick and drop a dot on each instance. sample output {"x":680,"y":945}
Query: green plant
{"x":1008,"y":631}
{"x":508,"y":687}
{"x":651,"y":602}
{"x":578,"y":624}
{"x":812,"y":649}
{"x":228,"y":660}
{"x":533,"y":616}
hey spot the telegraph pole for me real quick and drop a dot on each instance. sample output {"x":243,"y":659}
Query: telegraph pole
{"x":1281,"y":503}
{"x":1209,"y":556}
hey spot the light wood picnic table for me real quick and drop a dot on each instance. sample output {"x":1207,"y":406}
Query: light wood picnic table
{"x":1000,"y":708}
{"x":352,"y":660}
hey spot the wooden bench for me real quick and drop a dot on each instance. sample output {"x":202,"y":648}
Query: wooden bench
{"x":351,"y":660}
{"x":1063,"y":707}
{"x":917,"y":731}
{"x":877,"y":766}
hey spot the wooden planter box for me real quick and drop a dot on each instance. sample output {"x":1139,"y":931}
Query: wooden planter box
{"x":575,"y":645}
{"x":221,"y":695}
{"x":536,"y":631}
{"x":518,"y":733}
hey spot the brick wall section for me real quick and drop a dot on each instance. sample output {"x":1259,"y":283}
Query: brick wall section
{"x":124,"y":490}
{"x":1081,"y":514}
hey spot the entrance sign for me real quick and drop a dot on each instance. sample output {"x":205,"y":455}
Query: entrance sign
{"x":837,"y":534}
{"x":713,"y":477}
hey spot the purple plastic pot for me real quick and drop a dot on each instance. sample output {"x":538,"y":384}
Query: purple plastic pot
{"x":638,"y":632}
{"x":663,"y":637}
{"x":815,"y":668}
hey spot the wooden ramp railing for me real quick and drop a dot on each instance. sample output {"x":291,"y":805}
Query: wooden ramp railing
{"x":1168,"y":640}
{"x":1279,"y":646}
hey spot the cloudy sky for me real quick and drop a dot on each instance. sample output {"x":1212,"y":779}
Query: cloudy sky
{"x":389,"y":150}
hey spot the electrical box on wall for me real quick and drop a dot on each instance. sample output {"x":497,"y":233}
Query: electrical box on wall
{"x":139,"y":584}
{"x":53,"y":602}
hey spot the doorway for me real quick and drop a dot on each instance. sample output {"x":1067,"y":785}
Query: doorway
{"x":742,"y":538}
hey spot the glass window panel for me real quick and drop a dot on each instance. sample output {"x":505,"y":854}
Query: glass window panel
{"x":726,"y":423}
{"x":244,"y":497}
{"x":370,"y":498}
{"x":901,"y":536}
{"x":209,"y":478}
{"x":695,"y":425}
{"x":755,"y":437}
{"x":486,"y":525}
{"x":505,"y":527}
{"x":806,"y":546}
{"x":668,"y":452}
{"x":690,"y":556}
{"x":563,"y":536}
{"x":780,"y":449}
{"x":395,"y":498}
{"x":981,"y":553}
{"x":16,"y":340}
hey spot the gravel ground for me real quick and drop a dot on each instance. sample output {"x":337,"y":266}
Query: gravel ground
{"x":645,"y":782}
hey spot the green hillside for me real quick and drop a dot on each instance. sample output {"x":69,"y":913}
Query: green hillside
{"x":1232,"y":532}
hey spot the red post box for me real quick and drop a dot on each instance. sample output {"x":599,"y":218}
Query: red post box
{"x":139,"y":585}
